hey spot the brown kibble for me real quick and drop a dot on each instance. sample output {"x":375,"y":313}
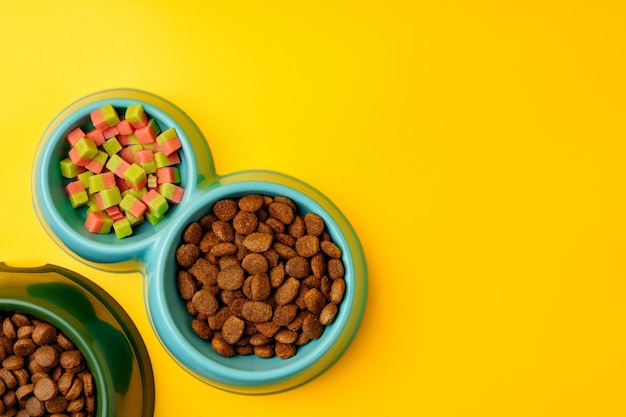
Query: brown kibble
{"x":13,"y":362}
{"x":328,"y":313}
{"x":88,"y":383}
{"x":202,"y":329}
{"x":245,"y":222}
{"x":24,"y":332}
{"x":255,"y":263}
{"x":205,"y":302}
{"x":217,"y":320}
{"x":272,"y":257}
{"x":244,"y":350}
{"x":284,"y":314}
{"x":76,"y":405}
{"x":45,"y":389}
{"x":70,"y":359}
{"x":298,"y":267}
{"x":256,"y":311}
{"x":268,"y":328}
{"x":34,"y":407}
{"x":335,"y":268}
{"x":286,"y":336}
{"x":314,"y":224}
{"x":288,"y":291}
{"x":297,"y":228}
{"x":225,"y":209}
{"x":330,"y":249}
{"x":222,"y":348}
{"x":8,"y":328}
{"x":233,"y":329}
{"x":281,"y":211}
{"x":307,"y":246}
{"x":258,"y":242}
{"x":20,"y":319}
{"x":75,"y":390}
{"x":57,"y":404}
{"x":223,"y":230}
{"x":318,"y":265}
{"x":285,"y":350}
{"x":186,"y":254}
{"x":209,"y":239}
{"x":277,"y":275}
{"x":311,"y":327}
{"x":315,"y":301}
{"x":46,"y":356}
{"x":24,"y":391}
{"x":251,"y":202}
{"x":223,"y":249}
{"x":337,"y":290}
{"x":64,"y":382}
{"x":231,"y":278}
{"x":264,"y":351}
{"x":259,"y":287}
{"x":276,"y":226}
{"x":284,"y":251}
{"x":186,"y":285}
{"x":206,"y":221}
{"x":8,"y":378}
{"x":193,"y":233}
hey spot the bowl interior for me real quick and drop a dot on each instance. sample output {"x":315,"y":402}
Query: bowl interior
{"x":66,"y":222}
{"x":252,"y":374}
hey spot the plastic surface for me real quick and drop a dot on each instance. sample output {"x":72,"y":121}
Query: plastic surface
{"x":98,"y":326}
{"x":151,"y":249}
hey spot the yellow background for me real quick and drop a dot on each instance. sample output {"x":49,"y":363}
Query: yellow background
{"x":477,"y":147}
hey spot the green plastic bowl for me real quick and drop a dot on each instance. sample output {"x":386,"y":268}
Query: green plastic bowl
{"x":98,"y":326}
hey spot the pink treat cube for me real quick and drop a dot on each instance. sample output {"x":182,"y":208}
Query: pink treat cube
{"x":74,"y":135}
{"x":124,"y":127}
{"x":110,"y":132}
{"x":96,"y":136}
{"x":98,"y":120}
{"x":171,"y":146}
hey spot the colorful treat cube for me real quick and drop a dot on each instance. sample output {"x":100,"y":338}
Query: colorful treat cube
{"x":168,"y":174}
{"x":122,"y":228}
{"x":124,"y":127}
{"x":77,"y":194}
{"x":82,"y":152}
{"x":168,"y":141}
{"x":136,"y":116}
{"x":74,"y":135}
{"x":136,"y":176}
{"x":84,"y":178}
{"x":99,"y":182}
{"x":157,"y":204}
{"x":115,"y":212}
{"x":110,"y":132}
{"x":98,"y":222}
{"x":69,"y":169}
{"x":135,"y":193}
{"x":96,"y":136}
{"x":171,"y":192}
{"x":152,"y":219}
{"x":145,"y":159}
{"x":126,"y":140}
{"x":112,"y":146}
{"x":132,"y":205}
{"x":108,"y":197}
{"x":148,"y":133}
{"x":104,"y":117}
{"x":96,"y":164}
{"x":117,"y":165}
{"x":135,"y":221}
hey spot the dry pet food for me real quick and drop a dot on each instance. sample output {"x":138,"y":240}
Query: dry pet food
{"x":123,"y":169}
{"x":258,"y":277}
{"x":42,"y":372}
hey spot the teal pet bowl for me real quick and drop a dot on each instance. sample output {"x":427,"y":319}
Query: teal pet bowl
{"x":98,"y":326}
{"x":151,"y":249}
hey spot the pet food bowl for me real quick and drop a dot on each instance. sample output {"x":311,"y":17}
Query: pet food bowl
{"x":151,"y":249}
{"x":96,"y":324}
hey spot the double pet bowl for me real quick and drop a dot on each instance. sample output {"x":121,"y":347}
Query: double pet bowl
{"x":151,"y":249}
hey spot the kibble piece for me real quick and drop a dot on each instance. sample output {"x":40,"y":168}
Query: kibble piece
{"x":70,"y":358}
{"x":34,"y":407}
{"x":24,"y":391}
{"x":256,"y":311}
{"x":24,"y":332}
{"x":281,"y":211}
{"x":255,"y":263}
{"x":231,"y":278}
{"x":297,"y":228}
{"x":335,"y":268}
{"x":57,"y":404}
{"x":337,"y":290}
{"x":75,"y":390}
{"x":20,"y":319}
{"x":222,"y":348}
{"x":225,"y":209}
{"x":286,"y":336}
{"x":44,"y":334}
{"x":315,"y":301}
{"x":186,"y":285}
{"x":202,"y":329}
{"x":314,"y":224}
{"x":245,"y":222}
{"x":311,"y":327}
{"x":244,"y":350}
{"x":64,"y":382}
{"x":264,"y":351}
{"x":193,"y":233}
{"x":298,"y":267}
{"x":258,"y":242}
{"x":259,"y":287}
{"x":318,"y":265}
{"x":284,"y":314}
{"x":268,"y":328}
{"x":45,"y":389}
{"x":217,"y":320}
{"x":208,"y":240}
{"x":88,"y":383}
{"x":206,"y":221}
{"x":330,"y":249}
{"x":284,"y":251}
{"x":307,"y":246}
{"x":205,"y":302}
{"x":76,"y":405}
{"x":223,"y":230}
{"x":251,"y":202}
{"x":328,"y":314}
{"x":8,"y":328}
{"x":285,"y":350}
{"x":288,"y":291}
{"x":46,"y":356}
{"x":277,"y":275}
{"x":13,"y":362}
{"x":8,"y":378}
{"x":232,"y":330}
{"x":186,"y":254}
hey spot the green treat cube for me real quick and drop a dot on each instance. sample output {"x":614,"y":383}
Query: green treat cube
{"x":149,"y":146}
{"x":110,"y":197}
{"x":135,"y":193}
{"x":132,"y":139}
{"x":100,"y":157}
{"x":161,"y":160}
{"x":134,"y":113}
{"x":91,"y":203}
{"x":96,"y":183}
{"x":86,"y":148}
{"x":79,"y":199}
{"x":122,"y":228}
{"x":154,"y":126}
{"x":109,"y":114}
{"x":127,"y":202}
{"x":157,"y":206}
{"x":134,"y":148}
{"x":84,"y":178}
{"x":134,"y":221}
{"x":135,"y":175}
{"x":166,"y":135}
{"x":68,"y":168}
{"x":152,"y":219}
{"x":112,"y":146}
{"x":150,"y":166}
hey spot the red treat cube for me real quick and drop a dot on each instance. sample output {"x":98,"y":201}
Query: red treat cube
{"x":77,"y":159}
{"x":110,"y":132}
{"x":98,"y":120}
{"x":74,"y":135}
{"x":124,"y":127}
{"x":96,"y":136}
{"x":147,"y":134}
{"x":143,"y":122}
{"x":171,"y":146}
